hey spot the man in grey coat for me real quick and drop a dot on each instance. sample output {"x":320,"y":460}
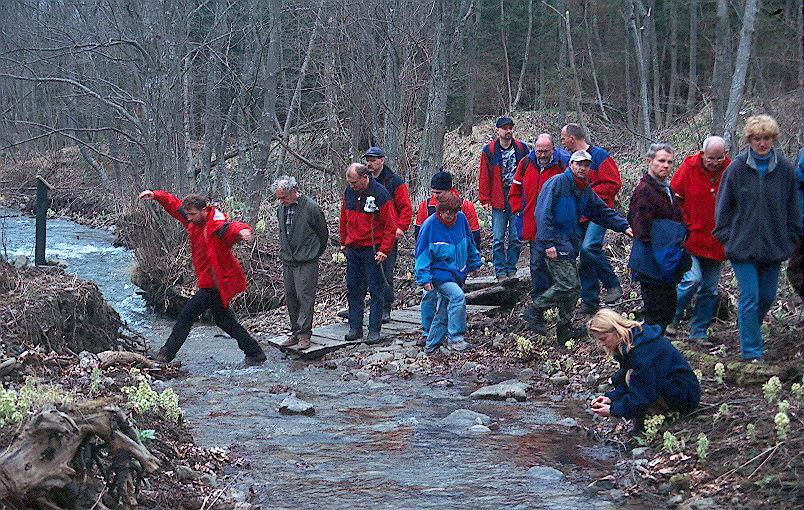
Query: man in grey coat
{"x":302,"y":239}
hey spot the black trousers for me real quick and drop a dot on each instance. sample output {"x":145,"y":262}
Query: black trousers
{"x":658,"y":303}
{"x":224,"y":318}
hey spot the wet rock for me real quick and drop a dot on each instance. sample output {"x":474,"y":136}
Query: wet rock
{"x":379,"y":357}
{"x":500,"y":376}
{"x":8,"y":366}
{"x":559,"y":379}
{"x":421,"y":355}
{"x":680,"y":481}
{"x":209,"y":480}
{"x":293,"y":405}
{"x":187,"y":473}
{"x":701,"y":503}
{"x":511,"y":388}
{"x":526,"y":374}
{"x":511,"y":400}
{"x":568,"y":422}
{"x":639,"y":452}
{"x":244,"y":506}
{"x":412,"y":352}
{"x":21,"y":261}
{"x":461,"y":420}
{"x":468,"y":367}
{"x":361,"y":375}
{"x":591,"y":380}
{"x":545,"y":474}
{"x":399,"y":355}
{"x":665,"y":489}
{"x":675,"y":500}
{"x":391,"y":368}
{"x":479,"y":429}
{"x":616,"y":495}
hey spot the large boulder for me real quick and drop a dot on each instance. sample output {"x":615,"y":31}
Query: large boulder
{"x":293,"y":405}
{"x":462,"y":421}
{"x":512,"y":388}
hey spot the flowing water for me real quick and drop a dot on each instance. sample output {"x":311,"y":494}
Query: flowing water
{"x":379,"y":444}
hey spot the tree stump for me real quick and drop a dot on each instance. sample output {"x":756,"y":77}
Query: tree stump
{"x":58,"y":447}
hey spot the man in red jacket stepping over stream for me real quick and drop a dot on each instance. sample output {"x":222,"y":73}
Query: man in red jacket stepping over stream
{"x":220,"y":276}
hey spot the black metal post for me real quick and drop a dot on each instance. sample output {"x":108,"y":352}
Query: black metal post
{"x":42,"y":188}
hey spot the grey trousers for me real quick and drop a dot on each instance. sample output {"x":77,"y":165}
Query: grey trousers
{"x":564,"y":292}
{"x":300,"y":282}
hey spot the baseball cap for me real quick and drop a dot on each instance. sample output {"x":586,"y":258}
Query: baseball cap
{"x":376,"y":152}
{"x":580,"y":156}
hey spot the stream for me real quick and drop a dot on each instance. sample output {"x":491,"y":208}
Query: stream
{"x":375,"y":444}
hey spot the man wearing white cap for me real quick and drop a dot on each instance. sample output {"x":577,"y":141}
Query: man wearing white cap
{"x":564,"y":200}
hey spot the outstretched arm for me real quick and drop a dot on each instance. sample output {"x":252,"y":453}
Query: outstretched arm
{"x":170,"y":203}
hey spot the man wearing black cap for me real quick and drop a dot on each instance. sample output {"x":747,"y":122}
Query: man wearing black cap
{"x":375,"y":160}
{"x":440,"y":184}
{"x":498,"y":162}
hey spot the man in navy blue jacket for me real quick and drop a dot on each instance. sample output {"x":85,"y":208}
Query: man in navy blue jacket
{"x":563,"y":201}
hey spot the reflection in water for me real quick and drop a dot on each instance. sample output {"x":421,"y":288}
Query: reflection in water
{"x":374,"y":445}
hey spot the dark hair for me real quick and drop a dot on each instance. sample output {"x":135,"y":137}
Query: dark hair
{"x":448,"y":202}
{"x":194,"y":201}
{"x":576,"y":131}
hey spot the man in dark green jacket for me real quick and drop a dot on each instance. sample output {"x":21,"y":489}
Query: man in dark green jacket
{"x":302,"y":239}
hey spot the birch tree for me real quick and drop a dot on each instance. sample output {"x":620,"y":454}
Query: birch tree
{"x":740,"y":69}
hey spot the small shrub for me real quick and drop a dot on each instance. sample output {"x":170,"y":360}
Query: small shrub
{"x":703,"y":446}
{"x":771,"y":389}
{"x":720,"y":372}
{"x":671,"y":442}
{"x":652,"y":426}
{"x":751,"y":431}
{"x":782,"y":422}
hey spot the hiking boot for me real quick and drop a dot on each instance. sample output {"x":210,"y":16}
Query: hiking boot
{"x":353,"y":334}
{"x":671,"y":329}
{"x":304,"y":343}
{"x":291,"y":341}
{"x":422,"y":341}
{"x":459,"y":346}
{"x":373,"y":337}
{"x":386,"y":316}
{"x":535,"y":319}
{"x":254,"y":359}
{"x":568,"y":332}
{"x":588,"y":309}
{"x":343,"y":314}
{"x":162,"y":357}
{"x":613,"y":295}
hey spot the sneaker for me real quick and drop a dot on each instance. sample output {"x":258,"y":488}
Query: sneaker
{"x":564,"y":333}
{"x":304,"y":343}
{"x":353,"y":334}
{"x":254,"y":359}
{"x":373,"y":337}
{"x":386,"y":316}
{"x":343,"y":314}
{"x":422,"y":341}
{"x":613,"y":295}
{"x":671,"y":329}
{"x":459,"y":346}
{"x":587,"y":309}
{"x":290,"y":341}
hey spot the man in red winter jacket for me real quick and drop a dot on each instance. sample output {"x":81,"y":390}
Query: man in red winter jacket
{"x":219,"y":274}
{"x":498,"y":161}
{"x":367,"y":230}
{"x":594,"y":269}
{"x":696,"y":183}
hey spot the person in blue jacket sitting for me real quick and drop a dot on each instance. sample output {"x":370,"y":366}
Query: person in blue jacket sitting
{"x":654,"y":378}
{"x":445,"y":255}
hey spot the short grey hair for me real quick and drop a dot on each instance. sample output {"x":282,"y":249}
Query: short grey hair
{"x":286,"y":183}
{"x":656,"y":147}
{"x":545,"y":136}
{"x":714,"y":139}
{"x":359,"y":169}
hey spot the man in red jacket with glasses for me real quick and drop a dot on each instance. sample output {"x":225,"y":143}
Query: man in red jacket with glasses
{"x":220,"y":276}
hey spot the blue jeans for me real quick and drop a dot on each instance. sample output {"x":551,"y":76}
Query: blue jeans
{"x":594,"y":267}
{"x":502,"y":221}
{"x":757,"y":283}
{"x":450,"y":315}
{"x":540,"y":279}
{"x":363,"y":272}
{"x":428,"y":310}
{"x":701,"y":280}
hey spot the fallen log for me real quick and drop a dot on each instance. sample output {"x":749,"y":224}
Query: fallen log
{"x":58,"y":447}
{"x":109,"y":358}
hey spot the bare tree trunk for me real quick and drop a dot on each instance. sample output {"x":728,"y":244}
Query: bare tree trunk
{"x":722,"y":66}
{"x":562,"y":68}
{"x":266,"y":121}
{"x":801,"y":73}
{"x":643,"y":72}
{"x":521,"y":81}
{"x":471,"y":66}
{"x":188,"y":172}
{"x":692,"y":88}
{"x":653,"y":55}
{"x":504,"y":39}
{"x":671,"y":95}
{"x":393,"y":97}
{"x":294,"y":102}
{"x":592,"y":62}
{"x":335,"y":146}
{"x":212,"y":107}
{"x":575,"y":79}
{"x":629,"y":93}
{"x":740,"y":68}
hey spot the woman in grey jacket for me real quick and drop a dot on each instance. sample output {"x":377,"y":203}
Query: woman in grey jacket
{"x":758,"y":221}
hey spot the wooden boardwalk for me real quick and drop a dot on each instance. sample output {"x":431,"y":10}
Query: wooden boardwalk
{"x":330,"y":337}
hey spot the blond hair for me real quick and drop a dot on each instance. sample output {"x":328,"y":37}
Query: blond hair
{"x":607,"y":320}
{"x":760,"y":125}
